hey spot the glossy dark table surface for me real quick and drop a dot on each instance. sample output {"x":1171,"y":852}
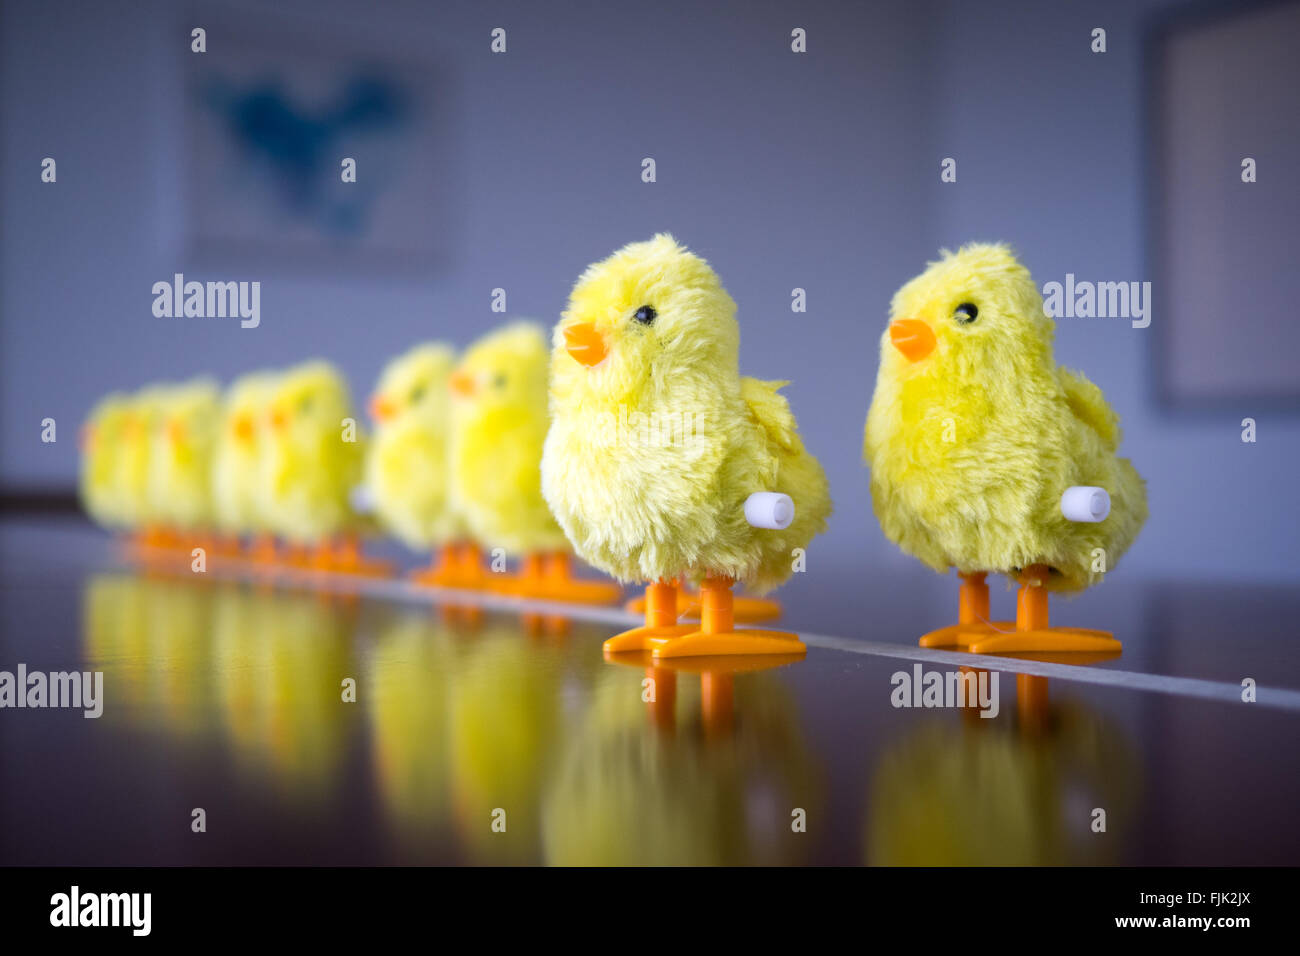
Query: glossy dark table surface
{"x":227,"y":695}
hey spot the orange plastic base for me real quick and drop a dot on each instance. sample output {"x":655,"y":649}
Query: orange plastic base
{"x":1029,"y":633}
{"x":550,"y":577}
{"x":716,"y":634}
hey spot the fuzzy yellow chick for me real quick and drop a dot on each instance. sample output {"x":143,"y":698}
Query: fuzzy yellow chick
{"x":132,"y":466}
{"x":499,"y":424}
{"x":987,"y":456}
{"x":662,"y":462}
{"x":101,"y":442}
{"x":312,"y":461}
{"x":406,"y":463}
{"x":241,"y":442}
{"x":180,"y":459}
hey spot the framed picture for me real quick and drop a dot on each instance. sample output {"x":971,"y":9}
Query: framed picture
{"x":312,"y":149}
{"x":1223,"y":133}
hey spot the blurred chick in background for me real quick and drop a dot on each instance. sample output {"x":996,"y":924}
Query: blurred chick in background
{"x":313,"y":460}
{"x":100,"y":441}
{"x":406,"y":463}
{"x":499,"y":424}
{"x":974,"y":436}
{"x":180,"y":459}
{"x":711,"y":482}
{"x":137,"y":509}
{"x":240,"y":443}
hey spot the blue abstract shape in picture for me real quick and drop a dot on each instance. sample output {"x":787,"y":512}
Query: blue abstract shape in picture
{"x":298,"y":150}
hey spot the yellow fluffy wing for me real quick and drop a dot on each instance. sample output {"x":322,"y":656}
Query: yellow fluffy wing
{"x":792,"y":470}
{"x":772,"y":411}
{"x":1089,"y":406}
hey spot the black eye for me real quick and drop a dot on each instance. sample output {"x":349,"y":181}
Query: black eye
{"x":499,"y":381}
{"x":966,"y":313}
{"x":417,"y":393}
{"x":645,"y":315}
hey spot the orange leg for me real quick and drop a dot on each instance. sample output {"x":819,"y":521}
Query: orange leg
{"x":660,"y":621}
{"x":686,"y":601}
{"x":296,"y":555}
{"x":717,"y":633}
{"x":1033,"y":632}
{"x":262,"y":549}
{"x":157,"y":536}
{"x":442,"y":569}
{"x":347,"y":552}
{"x":469,"y":570}
{"x":346,"y":557}
{"x":973,"y":621}
{"x":322,"y":556}
{"x":550,"y":576}
{"x":749,"y":610}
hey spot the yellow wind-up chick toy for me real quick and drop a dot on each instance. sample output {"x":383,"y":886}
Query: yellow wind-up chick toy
{"x":499,"y":423}
{"x":406,"y":464}
{"x":180,"y":459}
{"x":312,"y":462}
{"x":100,"y":441}
{"x":132,"y":464}
{"x":986,"y":456}
{"x":236,"y":471}
{"x":662,"y":462}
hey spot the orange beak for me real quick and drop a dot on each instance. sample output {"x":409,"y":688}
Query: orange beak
{"x":279,"y":420}
{"x":244,"y":427}
{"x":462,"y":383}
{"x":175,"y":431}
{"x":381,"y":409}
{"x":913,"y":337}
{"x":86,"y":437}
{"x":585,"y":343}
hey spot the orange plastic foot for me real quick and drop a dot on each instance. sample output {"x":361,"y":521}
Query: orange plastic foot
{"x":747,"y":609}
{"x":550,"y":577}
{"x":261,"y":550}
{"x":1033,"y":632}
{"x":646,"y":638}
{"x":157,"y":537}
{"x":747,"y":641}
{"x":442,"y":570}
{"x":322,"y":558}
{"x":660,"y":622}
{"x":345,"y":557}
{"x":1048,"y":640}
{"x":973,"y":622}
{"x":717,"y":634}
{"x":459,"y":566}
